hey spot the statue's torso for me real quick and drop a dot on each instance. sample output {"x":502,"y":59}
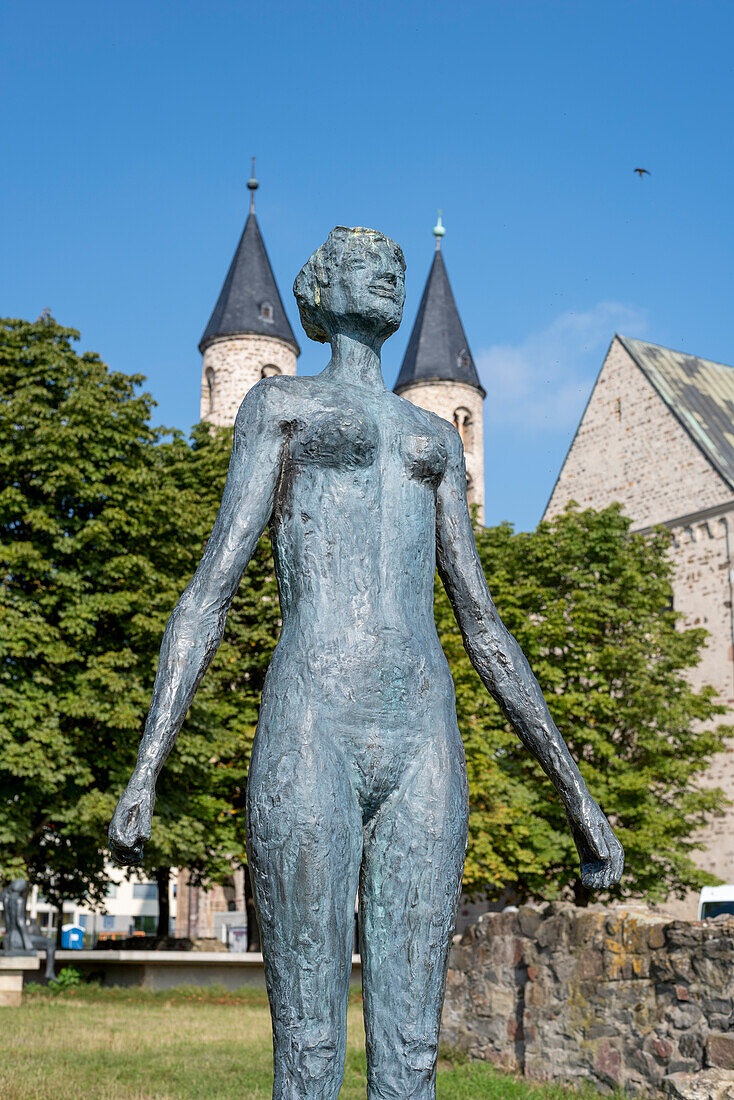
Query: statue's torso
{"x":353,"y":533}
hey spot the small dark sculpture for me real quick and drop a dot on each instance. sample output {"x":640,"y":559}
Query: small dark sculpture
{"x":357,"y":774}
{"x":20,"y":937}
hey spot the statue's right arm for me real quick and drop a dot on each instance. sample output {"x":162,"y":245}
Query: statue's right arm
{"x":195,"y":628}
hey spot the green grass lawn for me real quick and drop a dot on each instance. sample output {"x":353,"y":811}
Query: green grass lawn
{"x":120,"y":1044}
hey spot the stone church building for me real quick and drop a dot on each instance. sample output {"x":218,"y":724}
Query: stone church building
{"x":657,"y":435}
{"x":249,"y":337}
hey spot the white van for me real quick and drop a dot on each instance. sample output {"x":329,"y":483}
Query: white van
{"x":715,"y":900}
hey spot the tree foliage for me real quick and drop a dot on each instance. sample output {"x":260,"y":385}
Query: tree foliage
{"x":199,"y":818}
{"x":591,"y":605}
{"x":102,"y":521}
{"x":75,"y":449}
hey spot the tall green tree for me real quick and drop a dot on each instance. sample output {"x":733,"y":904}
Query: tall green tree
{"x":102,"y":522}
{"x":199,"y":819}
{"x":75,"y":450}
{"x":591,"y":605}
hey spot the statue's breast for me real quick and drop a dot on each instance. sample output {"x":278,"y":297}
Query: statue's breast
{"x":425,"y":457}
{"x":337,"y":439}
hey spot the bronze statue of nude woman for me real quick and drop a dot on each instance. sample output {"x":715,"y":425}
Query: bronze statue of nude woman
{"x":358,"y":776}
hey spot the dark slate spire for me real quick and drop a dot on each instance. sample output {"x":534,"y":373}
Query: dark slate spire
{"x":438,"y":349}
{"x":249,"y":302}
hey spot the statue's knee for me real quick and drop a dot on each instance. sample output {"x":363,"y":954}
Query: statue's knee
{"x":406,"y":1070}
{"x":319,"y":1061}
{"x":419,"y":1054}
{"x":311,"y":1057}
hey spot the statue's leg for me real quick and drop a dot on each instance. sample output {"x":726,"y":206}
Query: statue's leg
{"x":50,"y":949}
{"x":414,"y":850}
{"x":43,"y":943}
{"x":304,"y":848}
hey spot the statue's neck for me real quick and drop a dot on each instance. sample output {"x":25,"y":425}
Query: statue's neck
{"x":355,"y":361}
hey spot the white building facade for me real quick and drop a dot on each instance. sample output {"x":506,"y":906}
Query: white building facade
{"x":130,"y":908}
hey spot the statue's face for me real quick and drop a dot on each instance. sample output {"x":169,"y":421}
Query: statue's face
{"x":366,"y":287}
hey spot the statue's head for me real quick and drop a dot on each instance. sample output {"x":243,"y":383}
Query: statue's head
{"x":19,"y":886}
{"x":354,"y":284}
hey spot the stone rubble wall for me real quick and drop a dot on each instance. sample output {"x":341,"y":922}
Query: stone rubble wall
{"x":613,"y":997}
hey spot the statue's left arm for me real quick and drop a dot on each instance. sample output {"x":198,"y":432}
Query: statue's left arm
{"x":508,"y":677}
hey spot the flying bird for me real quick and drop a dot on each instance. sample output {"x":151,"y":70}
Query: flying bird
{"x":641,"y":172}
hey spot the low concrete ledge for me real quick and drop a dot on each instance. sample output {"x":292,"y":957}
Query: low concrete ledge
{"x":167,"y":969}
{"x":12,"y":970}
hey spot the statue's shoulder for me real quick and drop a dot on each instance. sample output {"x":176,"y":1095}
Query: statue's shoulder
{"x":432,"y":422}
{"x":272,"y":396}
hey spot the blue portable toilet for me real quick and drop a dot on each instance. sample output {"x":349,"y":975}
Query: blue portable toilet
{"x":72,"y":937}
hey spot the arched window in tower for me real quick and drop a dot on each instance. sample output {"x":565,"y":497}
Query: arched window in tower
{"x":462,"y":423}
{"x":266,"y":311}
{"x":210,"y":381}
{"x":469,"y":485}
{"x":269,"y":370}
{"x":463,"y":359}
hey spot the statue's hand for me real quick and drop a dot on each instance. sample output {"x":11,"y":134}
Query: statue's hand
{"x":130,"y":825}
{"x":602,"y":856}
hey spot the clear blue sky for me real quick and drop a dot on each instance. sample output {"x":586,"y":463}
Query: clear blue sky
{"x":128,"y":128}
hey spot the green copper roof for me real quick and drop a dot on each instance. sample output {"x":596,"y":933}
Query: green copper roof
{"x":698,"y":392}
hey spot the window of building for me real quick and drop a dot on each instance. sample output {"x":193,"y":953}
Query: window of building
{"x":108,"y":923}
{"x":82,"y":921}
{"x":112,"y":890}
{"x":462,"y":423}
{"x":269,"y":370}
{"x":210,"y":388}
{"x":463,"y":359}
{"x":266,"y":311}
{"x":145,"y":891}
{"x":145,"y":924}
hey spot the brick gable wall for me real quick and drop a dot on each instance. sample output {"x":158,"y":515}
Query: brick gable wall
{"x":629,"y":447}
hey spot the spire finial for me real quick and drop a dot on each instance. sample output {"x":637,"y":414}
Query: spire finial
{"x":252,"y":186}
{"x":438,"y":232}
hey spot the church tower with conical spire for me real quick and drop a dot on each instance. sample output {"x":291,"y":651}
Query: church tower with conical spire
{"x":438,"y":371}
{"x":248,"y":336}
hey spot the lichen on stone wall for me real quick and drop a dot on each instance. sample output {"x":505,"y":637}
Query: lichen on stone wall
{"x":619,"y":998}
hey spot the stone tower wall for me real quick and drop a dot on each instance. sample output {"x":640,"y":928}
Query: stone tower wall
{"x":452,"y":401}
{"x":236,"y":363}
